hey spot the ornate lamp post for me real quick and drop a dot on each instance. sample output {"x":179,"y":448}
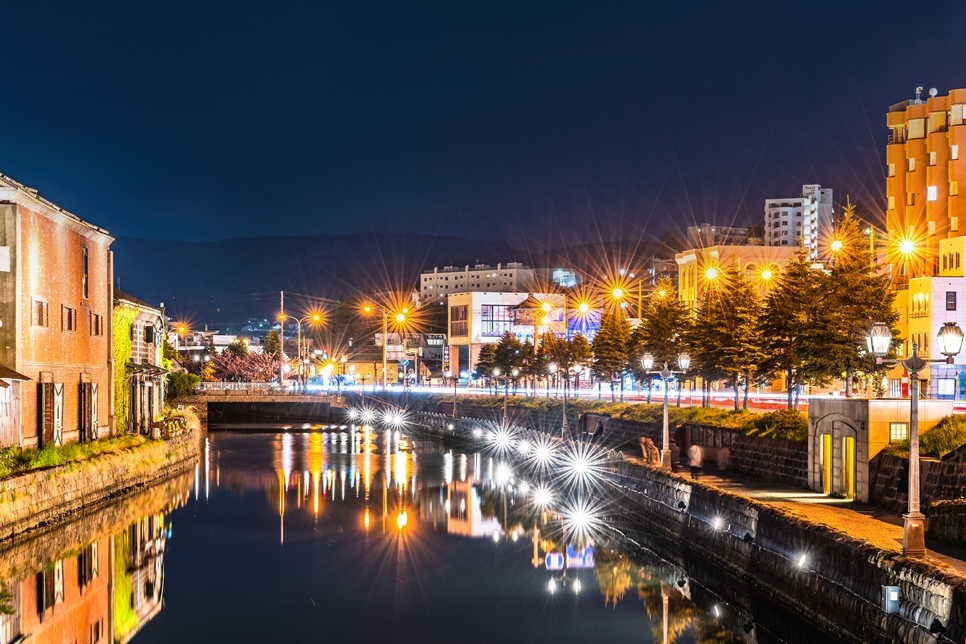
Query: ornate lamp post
{"x":684,"y":361}
{"x":879,"y":340}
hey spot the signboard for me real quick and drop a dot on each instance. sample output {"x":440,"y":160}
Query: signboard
{"x":445,"y":358}
{"x":582,"y":559}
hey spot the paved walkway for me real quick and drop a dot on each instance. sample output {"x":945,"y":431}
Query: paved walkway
{"x":876,"y":525}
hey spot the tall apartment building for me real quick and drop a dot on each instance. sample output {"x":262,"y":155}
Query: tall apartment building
{"x":55,"y":317}
{"x":799,"y":220}
{"x":705,"y":235}
{"x":436,"y":285}
{"x":924,"y":171}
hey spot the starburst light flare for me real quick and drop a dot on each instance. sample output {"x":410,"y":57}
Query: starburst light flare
{"x":583,"y":466}
{"x":582,"y":519}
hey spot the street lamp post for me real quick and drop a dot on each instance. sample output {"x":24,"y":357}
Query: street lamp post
{"x":449,"y":374}
{"x":684,"y":361}
{"x":314,"y":318}
{"x":879,"y":340}
{"x":400,"y":320}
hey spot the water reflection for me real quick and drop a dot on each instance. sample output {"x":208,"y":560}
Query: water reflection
{"x":98,"y":577}
{"x":350,"y":534}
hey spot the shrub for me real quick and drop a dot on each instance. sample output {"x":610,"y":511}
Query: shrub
{"x":182,"y":384}
{"x":946,"y":436}
{"x":787,"y":424}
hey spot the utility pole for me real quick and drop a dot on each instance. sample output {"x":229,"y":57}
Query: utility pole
{"x":281,"y":338}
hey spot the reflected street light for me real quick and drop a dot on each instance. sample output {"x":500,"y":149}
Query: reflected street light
{"x":879,"y":342}
{"x":684,"y":361}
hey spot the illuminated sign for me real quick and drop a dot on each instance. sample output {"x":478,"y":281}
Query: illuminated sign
{"x":582,"y":559}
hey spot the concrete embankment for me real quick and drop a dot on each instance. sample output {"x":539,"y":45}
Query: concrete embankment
{"x":41,"y":497}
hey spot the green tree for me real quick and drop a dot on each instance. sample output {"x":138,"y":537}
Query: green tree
{"x":181,"y":384}
{"x":860,"y":294}
{"x":581,"y":355}
{"x":610,"y":348}
{"x":508,"y":354}
{"x":273,"y":344}
{"x":662,"y":332}
{"x":793,"y":337}
{"x":739,"y":334}
{"x":169,"y":356}
{"x":238,"y":347}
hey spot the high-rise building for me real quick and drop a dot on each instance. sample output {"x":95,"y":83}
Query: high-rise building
{"x":923,"y":174}
{"x":436,"y":285}
{"x":799,"y":220}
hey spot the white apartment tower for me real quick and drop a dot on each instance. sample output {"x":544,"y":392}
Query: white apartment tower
{"x":502,"y":278}
{"x":803,"y":219}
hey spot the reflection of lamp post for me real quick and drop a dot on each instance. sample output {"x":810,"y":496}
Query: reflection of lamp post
{"x":684,"y":361}
{"x":879,"y":340}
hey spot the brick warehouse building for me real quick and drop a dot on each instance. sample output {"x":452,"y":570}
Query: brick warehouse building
{"x":55,"y":318}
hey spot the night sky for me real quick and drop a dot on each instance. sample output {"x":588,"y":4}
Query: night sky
{"x":204,"y":121}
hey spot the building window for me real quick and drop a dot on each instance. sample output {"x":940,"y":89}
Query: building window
{"x":38,"y":312}
{"x":149,"y":334}
{"x":891,"y":170}
{"x":932,"y":193}
{"x":495,"y":320}
{"x":932,"y":228}
{"x":892,"y":203}
{"x":911,"y":164}
{"x":950,"y":300}
{"x":97,"y":324}
{"x":917,"y":128}
{"x":910,"y":198}
{"x":953,"y":188}
{"x":932,"y":158}
{"x":954,"y":224}
{"x":68,"y":318}
{"x":898,"y":432}
{"x":954,"y":152}
{"x":85,"y":266}
{"x":458,"y":323}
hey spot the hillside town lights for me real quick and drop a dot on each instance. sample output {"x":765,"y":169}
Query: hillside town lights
{"x":647,"y":361}
{"x":879,"y":340}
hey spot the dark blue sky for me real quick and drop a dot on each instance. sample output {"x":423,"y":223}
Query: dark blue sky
{"x":202,"y":121}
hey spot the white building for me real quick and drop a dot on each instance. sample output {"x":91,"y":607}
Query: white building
{"x":803,"y":219}
{"x":483,"y":317}
{"x":705,"y":235}
{"x":436,"y":285}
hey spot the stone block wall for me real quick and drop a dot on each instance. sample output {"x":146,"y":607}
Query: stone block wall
{"x":41,"y":496}
{"x":941,"y":480}
{"x":947,"y":521}
{"x":839,"y":586}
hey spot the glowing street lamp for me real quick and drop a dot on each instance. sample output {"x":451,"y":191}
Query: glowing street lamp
{"x":879,"y":342}
{"x":766,"y":275}
{"x":836,"y":245}
{"x":711,"y":274}
{"x":907,"y":247}
{"x":684,"y":362}
{"x":400,"y":318}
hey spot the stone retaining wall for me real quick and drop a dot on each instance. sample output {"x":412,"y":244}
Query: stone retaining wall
{"x":838,"y":588}
{"x":40,"y":497}
{"x":947,"y":521}
{"x":941,"y":480}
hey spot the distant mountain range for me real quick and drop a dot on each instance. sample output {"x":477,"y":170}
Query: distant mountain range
{"x":232,"y":280}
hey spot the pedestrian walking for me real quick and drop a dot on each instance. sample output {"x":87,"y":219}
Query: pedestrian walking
{"x":695,"y":460}
{"x":675,"y":456}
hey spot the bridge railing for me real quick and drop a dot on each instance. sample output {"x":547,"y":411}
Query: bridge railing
{"x":247,"y":388}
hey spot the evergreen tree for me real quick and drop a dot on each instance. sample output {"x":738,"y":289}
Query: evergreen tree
{"x":860,"y":294}
{"x":662,"y":331}
{"x":610,"y":347}
{"x":238,"y":348}
{"x":508,"y":354}
{"x":486,"y":362}
{"x":273,"y":344}
{"x":792,"y":329}
{"x":581,"y":354}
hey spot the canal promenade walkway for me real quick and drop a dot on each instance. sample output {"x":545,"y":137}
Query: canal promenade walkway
{"x":878,"y":526}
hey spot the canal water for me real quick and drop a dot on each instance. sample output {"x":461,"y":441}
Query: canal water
{"x":325,"y":534}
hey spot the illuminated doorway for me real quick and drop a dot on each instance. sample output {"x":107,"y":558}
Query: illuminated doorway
{"x":826,"y":463}
{"x":848,"y":466}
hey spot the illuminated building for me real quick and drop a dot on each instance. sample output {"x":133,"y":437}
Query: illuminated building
{"x":142,"y":393}
{"x":55,"y":317}
{"x":700,"y":268}
{"x":705,"y":235}
{"x":436,"y":285}
{"x":799,"y":220}
{"x":924,"y":170}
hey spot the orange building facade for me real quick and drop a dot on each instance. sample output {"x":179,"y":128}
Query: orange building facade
{"x":925,"y":180}
{"x":55,"y":317}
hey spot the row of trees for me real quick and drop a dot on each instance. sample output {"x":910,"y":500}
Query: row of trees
{"x":809,"y":327}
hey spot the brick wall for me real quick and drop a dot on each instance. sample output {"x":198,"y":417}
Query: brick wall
{"x":940,"y":479}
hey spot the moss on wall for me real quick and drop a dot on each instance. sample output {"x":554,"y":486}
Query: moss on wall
{"x":123,"y":318}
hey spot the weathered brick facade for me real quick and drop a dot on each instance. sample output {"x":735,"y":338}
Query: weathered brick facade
{"x":55,"y":310}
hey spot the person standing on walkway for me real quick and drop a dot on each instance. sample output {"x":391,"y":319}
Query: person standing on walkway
{"x":675,"y":456}
{"x":695,"y":459}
